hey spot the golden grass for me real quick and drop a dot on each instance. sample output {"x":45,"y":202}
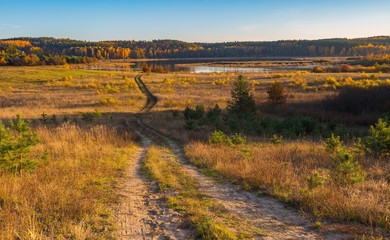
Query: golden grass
{"x":178,"y":90}
{"x":29,"y":91}
{"x":71,"y":195}
{"x":306,"y":92}
{"x":283,"y":171}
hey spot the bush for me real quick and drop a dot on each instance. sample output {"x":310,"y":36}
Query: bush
{"x":238,"y":139}
{"x":15,"y":144}
{"x":355,"y":100}
{"x":378,"y":141}
{"x":346,"y":169}
{"x":194,"y":114}
{"x":219,"y":138}
{"x":318,"y":69}
{"x":213,"y":114}
{"x":316,"y":179}
{"x":109,"y":101}
{"x":300,"y":125}
{"x":190,"y":124}
{"x":275,"y":139}
{"x":277,"y":93}
{"x":333,"y":143}
{"x":88,"y":117}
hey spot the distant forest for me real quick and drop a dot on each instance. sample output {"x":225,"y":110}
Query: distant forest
{"x":52,"y":51}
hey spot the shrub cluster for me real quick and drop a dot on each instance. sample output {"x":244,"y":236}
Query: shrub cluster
{"x":220,"y":138}
{"x":199,"y":116}
{"x":356,"y":100}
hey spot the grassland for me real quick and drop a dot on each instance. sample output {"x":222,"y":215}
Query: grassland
{"x":290,"y":172}
{"x":282,"y":170}
{"x":30,"y":91}
{"x":72,"y":193}
{"x":78,"y":117}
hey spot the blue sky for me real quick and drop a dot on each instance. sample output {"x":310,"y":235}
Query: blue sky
{"x":194,"y":21}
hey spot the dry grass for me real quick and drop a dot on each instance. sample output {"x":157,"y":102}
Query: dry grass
{"x":29,"y":91}
{"x":283,"y":171}
{"x":306,"y":92}
{"x":71,"y":195}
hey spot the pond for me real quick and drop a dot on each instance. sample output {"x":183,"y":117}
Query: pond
{"x":189,"y":66}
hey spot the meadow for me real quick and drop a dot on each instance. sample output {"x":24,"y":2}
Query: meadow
{"x":283,"y":150}
{"x":81,"y":152}
{"x":65,"y":91}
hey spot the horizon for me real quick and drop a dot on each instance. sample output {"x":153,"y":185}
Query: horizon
{"x":195,"y":21}
{"x":125,"y":40}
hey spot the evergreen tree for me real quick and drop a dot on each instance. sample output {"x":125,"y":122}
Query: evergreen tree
{"x":242,"y":103}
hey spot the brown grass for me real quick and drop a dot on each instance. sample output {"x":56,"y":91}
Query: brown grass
{"x":306,"y":92}
{"x":283,"y":170}
{"x":70,"y":196}
{"x":29,"y":91}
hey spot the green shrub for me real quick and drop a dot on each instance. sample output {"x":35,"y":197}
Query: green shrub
{"x":88,"y":117}
{"x":316,"y":179}
{"x":333,"y":143}
{"x":16,"y":142}
{"x":194,"y":114}
{"x":96,"y":113}
{"x":219,"y":138}
{"x":53,"y":118}
{"x":346,"y":169}
{"x":190,"y":124}
{"x":290,"y":127}
{"x":246,"y":153}
{"x":275,"y":139}
{"x":44,"y":118}
{"x":238,"y":139}
{"x":299,"y":125}
{"x":378,"y":141}
{"x":213,"y":114}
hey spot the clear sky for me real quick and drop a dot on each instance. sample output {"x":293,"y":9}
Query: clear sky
{"x":194,"y":20}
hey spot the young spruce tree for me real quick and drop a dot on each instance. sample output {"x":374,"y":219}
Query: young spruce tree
{"x":241,"y":108}
{"x":242,"y":103}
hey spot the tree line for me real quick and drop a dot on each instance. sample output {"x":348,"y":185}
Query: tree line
{"x":34,"y":51}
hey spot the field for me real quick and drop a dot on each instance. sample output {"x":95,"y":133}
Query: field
{"x":95,"y":136}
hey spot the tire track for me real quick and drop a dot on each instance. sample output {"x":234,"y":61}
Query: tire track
{"x":142,"y":213}
{"x":151,"y":100}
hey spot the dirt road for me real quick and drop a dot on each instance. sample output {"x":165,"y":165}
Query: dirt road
{"x":144,"y":215}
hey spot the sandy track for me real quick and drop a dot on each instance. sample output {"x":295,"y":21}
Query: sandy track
{"x":142,"y":213}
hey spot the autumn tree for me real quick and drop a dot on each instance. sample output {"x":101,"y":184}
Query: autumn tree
{"x":277,"y":93}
